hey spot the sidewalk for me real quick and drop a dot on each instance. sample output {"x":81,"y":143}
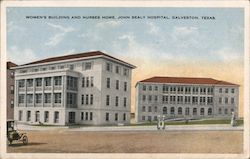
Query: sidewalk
{"x":209,"y":127}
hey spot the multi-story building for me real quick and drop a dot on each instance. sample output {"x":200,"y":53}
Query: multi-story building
{"x":10,"y":89}
{"x":177,"y":97}
{"x":90,"y":88}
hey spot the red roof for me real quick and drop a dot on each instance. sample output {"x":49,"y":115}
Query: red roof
{"x":76,"y":56}
{"x":10,"y":64}
{"x":187,"y":80}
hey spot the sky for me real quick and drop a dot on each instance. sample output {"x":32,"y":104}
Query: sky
{"x":211,"y":48}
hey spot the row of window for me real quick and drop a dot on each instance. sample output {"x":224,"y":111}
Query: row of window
{"x":37,"y":116}
{"x":88,"y":81}
{"x":88,"y":65}
{"x":108,"y":101}
{"x":109,"y":68}
{"x":87,"y":116}
{"x":150,"y":118}
{"x":38,"y":98}
{"x":87,"y":99}
{"x":179,"y":110}
{"x":116,"y":117}
{"x":185,"y":89}
{"x":38,"y":82}
{"x":117,"y":84}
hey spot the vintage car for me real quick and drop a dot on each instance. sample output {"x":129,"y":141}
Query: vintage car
{"x":14,"y":135}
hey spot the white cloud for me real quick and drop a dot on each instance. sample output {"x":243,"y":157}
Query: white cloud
{"x":111,"y":23}
{"x":20,"y":56}
{"x":59,"y":36}
{"x":153,"y":29}
{"x":228,"y":55}
{"x":11,"y":26}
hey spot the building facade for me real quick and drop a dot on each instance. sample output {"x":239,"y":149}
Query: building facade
{"x":10,"y":89}
{"x":177,"y":97}
{"x":90,"y":88}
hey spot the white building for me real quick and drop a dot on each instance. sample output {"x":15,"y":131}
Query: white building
{"x":90,"y":88}
{"x":177,"y":97}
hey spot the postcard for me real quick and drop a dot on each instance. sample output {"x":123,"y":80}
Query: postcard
{"x":125,"y":79}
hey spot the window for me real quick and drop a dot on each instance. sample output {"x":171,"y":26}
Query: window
{"x":21,"y":98}
{"x":117,"y":101}
{"x":226,"y":100}
{"x":124,"y":101}
{"x":12,"y":103}
{"x":232,"y":90}
{"x":125,"y":72}
{"x":91,"y":81}
{"x":82,"y":115}
{"x":29,"y":98}
{"x":209,"y":112}
{"x":71,"y":83}
{"x":108,"y":82}
{"x":88,"y":66}
{"x":209,"y":100}
{"x":144,"y":88}
{"x":124,"y":116}
{"x":56,"y":117}
{"x":143,"y":97}
{"x":220,"y":100}
{"x":220,"y":90}
{"x":232,"y":110}
{"x":87,"y":81}
{"x":210,"y":90}
{"x":179,"y":111}
{"x":107,"y":116}
{"x":20,"y":115}
{"x":164,"y":110}
{"x":61,"y":67}
{"x":180,"y":90}
{"x":86,"y":116}
{"x":149,"y":109}
{"x":195,"y":90}
{"x":143,"y":118}
{"x":125,"y":86}
{"x":117,"y":69}
{"x":57,"y":97}
{"x":143,"y":108}
{"x":155,"y":108}
{"x":226,"y":90}
{"x":149,"y":98}
{"x":47,"y":98}
{"x":87,"y":99}
{"x":116,"y":116}
{"x":202,"y":111}
{"x":71,"y":67}
{"x":29,"y":82}
{"x":202,"y":90}
{"x":21,"y":83}
{"x":187,"y":99}
{"x":71,"y":100}
{"x":187,"y":90}
{"x":156,"y":98}
{"x":150,"y":88}
{"x":46,"y":116}
{"x":156,"y":88}
{"x":38,"y":82}
{"x":186,"y":111}
{"x":172,"y":110}
{"x":28,"y":115}
{"x":107,"y":100}
{"x":195,"y":100}
{"x":164,"y":99}
{"x":52,"y":68}
{"x":38,"y":98}
{"x":226,"y":111}
{"x":83,"y":81}
{"x":232,"y":100}
{"x":109,"y":67}
{"x":91,"y":99}
{"x":194,"y":111}
{"x":202,"y":100}
{"x":37,"y":116}
{"x":47,"y":81}
{"x":179,"y":99}
{"x":117,"y":84}
{"x":82,"y":99}
{"x":58,"y":80}
{"x":219,"y":110}
{"x":90,"y":116}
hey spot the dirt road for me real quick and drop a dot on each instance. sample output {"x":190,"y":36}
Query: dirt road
{"x":131,"y":142}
